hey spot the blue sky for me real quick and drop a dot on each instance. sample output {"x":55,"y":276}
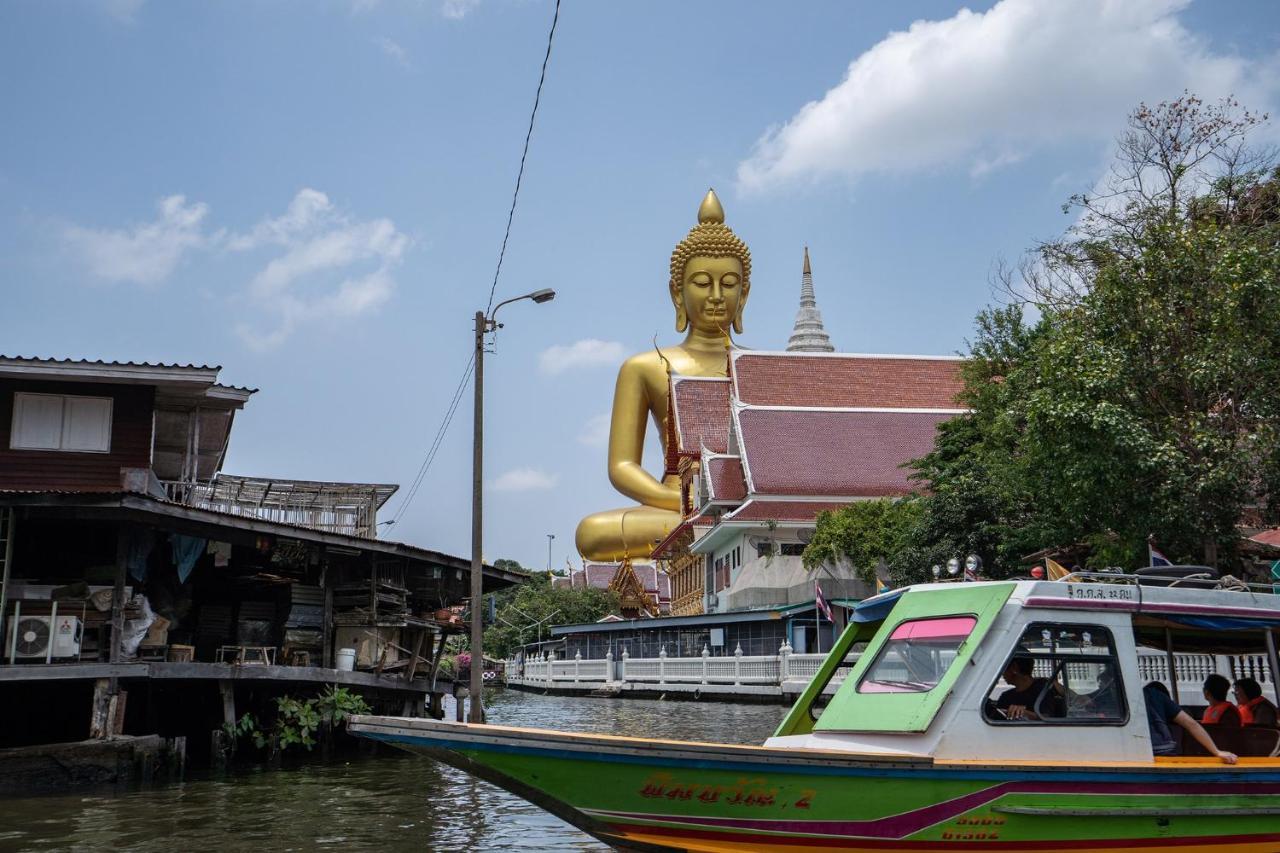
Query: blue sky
{"x":313,"y":196}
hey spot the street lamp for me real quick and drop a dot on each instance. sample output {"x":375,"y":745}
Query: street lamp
{"x":550,"y":536}
{"x":484,"y":325}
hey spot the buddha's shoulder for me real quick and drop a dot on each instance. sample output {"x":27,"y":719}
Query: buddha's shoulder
{"x":646,"y":362}
{"x":655,"y":364}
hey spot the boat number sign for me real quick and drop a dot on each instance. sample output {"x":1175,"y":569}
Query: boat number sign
{"x":746,"y":792}
{"x":1099,"y":592}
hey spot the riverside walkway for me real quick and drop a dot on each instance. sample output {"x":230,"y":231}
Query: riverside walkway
{"x":781,"y":677}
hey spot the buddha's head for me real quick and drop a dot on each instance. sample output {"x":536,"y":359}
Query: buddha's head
{"x":710,"y":273}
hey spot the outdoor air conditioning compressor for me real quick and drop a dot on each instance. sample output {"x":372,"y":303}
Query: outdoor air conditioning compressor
{"x":31,"y":636}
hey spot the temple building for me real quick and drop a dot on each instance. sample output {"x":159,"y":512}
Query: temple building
{"x":787,"y":436}
{"x":649,"y":596}
{"x":808,"y":335}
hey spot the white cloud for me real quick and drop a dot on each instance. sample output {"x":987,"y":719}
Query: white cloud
{"x":331,"y":267}
{"x":147,"y":253}
{"x":525,"y":480}
{"x":458,"y":9}
{"x":124,"y":11}
{"x":595,"y":432}
{"x":588,"y":352}
{"x":980,"y":91}
{"x":394,"y":50}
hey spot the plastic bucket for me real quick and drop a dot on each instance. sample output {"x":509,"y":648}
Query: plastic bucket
{"x":346,"y":659}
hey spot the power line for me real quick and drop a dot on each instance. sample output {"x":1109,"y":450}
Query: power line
{"x":412,"y":491}
{"x":471,"y":363}
{"x":520,"y":174}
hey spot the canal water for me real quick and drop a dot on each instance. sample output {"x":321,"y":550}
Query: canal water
{"x":387,"y":802}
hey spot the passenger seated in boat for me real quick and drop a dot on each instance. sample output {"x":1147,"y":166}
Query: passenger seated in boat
{"x":1162,"y":712}
{"x":1019,"y":703}
{"x":1220,"y":711}
{"x":1255,"y":709}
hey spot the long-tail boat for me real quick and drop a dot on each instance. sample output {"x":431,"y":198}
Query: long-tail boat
{"x":917,"y":749}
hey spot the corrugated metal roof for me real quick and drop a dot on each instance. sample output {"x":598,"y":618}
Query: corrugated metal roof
{"x":103,"y":363}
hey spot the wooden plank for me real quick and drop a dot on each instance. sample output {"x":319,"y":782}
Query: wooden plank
{"x":326,"y":621}
{"x":123,"y":534}
{"x":413,"y":659}
{"x":228,"y":691}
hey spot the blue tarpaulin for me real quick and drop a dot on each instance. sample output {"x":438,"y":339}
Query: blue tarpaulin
{"x":186,"y":550}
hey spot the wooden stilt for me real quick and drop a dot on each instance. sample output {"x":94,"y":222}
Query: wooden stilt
{"x":412,"y":668}
{"x":98,"y":712}
{"x":228,"y":690}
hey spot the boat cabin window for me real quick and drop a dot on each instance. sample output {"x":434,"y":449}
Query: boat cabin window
{"x":917,"y":654}
{"x":1059,"y":674}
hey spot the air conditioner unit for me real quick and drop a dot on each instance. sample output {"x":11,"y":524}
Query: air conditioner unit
{"x":31,"y":637}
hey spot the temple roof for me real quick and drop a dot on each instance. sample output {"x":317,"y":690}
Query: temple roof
{"x":725,"y":480}
{"x":701,"y":412}
{"x":846,"y":380}
{"x":823,"y":453}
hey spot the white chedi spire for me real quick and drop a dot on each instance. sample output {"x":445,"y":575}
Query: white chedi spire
{"x":808,"y":334}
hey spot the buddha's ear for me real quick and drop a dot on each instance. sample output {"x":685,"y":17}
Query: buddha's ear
{"x":682,"y":316}
{"x":742,"y":303}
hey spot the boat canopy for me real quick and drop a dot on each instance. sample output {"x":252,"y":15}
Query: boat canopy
{"x":877,"y":608}
{"x":900,"y":682}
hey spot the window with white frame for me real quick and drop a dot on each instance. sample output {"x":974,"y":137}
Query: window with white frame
{"x":61,"y":422}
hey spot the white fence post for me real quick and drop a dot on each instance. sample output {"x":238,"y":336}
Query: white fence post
{"x":706,"y":653}
{"x":608,"y":665}
{"x":622,"y":671}
{"x":577,"y":666}
{"x":662,"y":665}
{"x":784,"y":651}
{"x":737,"y":665}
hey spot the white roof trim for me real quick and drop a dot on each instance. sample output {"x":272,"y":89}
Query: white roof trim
{"x":901,"y":356}
{"x":888,"y":410}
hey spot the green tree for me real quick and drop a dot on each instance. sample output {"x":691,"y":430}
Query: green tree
{"x":864,"y":533}
{"x":1142,"y":401}
{"x":521,"y":609}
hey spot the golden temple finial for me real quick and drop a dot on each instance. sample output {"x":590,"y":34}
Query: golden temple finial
{"x":711,"y":209}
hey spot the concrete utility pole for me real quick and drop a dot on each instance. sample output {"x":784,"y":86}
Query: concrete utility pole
{"x":483,"y":326}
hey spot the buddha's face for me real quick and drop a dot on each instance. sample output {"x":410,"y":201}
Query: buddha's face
{"x":712,"y":292}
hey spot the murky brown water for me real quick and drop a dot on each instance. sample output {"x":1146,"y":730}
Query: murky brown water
{"x":390,"y":802}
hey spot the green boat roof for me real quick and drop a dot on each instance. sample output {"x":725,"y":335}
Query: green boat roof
{"x":851,"y":711}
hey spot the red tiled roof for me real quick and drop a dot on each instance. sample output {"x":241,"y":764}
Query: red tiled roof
{"x":725,"y":476}
{"x":599,"y":576}
{"x":815,"y":452}
{"x":846,"y":381}
{"x":701,"y":413}
{"x":1268,"y":537}
{"x":799,"y":511}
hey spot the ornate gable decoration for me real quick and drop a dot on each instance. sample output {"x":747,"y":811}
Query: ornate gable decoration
{"x":633,"y":601}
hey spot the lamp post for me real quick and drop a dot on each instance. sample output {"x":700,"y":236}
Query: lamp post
{"x":484,"y":325}
{"x":550,"y":536}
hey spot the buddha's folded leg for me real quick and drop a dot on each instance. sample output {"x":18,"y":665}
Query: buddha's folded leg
{"x":628,"y":532}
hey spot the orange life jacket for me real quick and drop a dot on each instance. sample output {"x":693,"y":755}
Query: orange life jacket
{"x":1214,"y":713}
{"x":1246,"y":709}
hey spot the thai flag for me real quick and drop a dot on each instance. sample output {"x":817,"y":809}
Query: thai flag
{"x":821,"y":602}
{"x":1155,"y":558}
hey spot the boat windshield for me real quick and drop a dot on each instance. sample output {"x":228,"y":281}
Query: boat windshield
{"x":917,"y":655}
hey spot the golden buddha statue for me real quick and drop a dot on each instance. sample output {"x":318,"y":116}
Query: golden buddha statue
{"x":710,"y":280}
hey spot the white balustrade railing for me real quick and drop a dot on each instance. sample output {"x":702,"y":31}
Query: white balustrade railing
{"x":787,"y":667}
